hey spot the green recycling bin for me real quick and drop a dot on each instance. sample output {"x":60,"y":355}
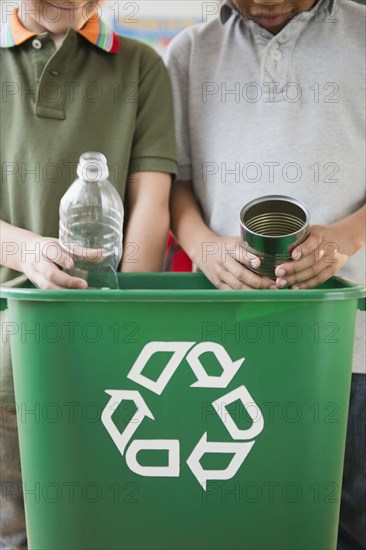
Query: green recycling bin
{"x":169,"y":415}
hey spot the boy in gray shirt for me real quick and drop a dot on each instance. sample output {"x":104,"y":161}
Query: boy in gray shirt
{"x":269,"y":99}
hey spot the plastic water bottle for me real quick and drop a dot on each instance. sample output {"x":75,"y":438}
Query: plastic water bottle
{"x":91,"y":223}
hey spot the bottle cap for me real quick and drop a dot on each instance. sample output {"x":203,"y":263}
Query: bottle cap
{"x":92,"y":167}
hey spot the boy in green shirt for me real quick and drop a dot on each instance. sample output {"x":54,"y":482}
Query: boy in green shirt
{"x":71,"y":85}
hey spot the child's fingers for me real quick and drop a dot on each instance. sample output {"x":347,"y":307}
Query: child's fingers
{"x":67,"y":258}
{"x":319,"y":279}
{"x":232,"y":283}
{"x":310,"y":245}
{"x":93,"y":255}
{"x":296,"y":272}
{"x":246,"y":277}
{"x":293,"y":268}
{"x":53,"y":253}
{"x":63,"y":260}
{"x":66,"y":281}
{"x":224,"y":286}
{"x":246,"y":258}
{"x":41,"y":282}
{"x":310,"y":273}
{"x":48,"y":276}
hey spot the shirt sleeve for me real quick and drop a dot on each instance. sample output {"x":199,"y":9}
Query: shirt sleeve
{"x":178,"y":65}
{"x":154,"y":148}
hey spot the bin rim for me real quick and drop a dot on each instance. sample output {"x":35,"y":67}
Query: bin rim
{"x":345,"y":290}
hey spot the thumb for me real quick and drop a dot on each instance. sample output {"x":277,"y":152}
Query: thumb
{"x":246,"y":258}
{"x":53,"y":252}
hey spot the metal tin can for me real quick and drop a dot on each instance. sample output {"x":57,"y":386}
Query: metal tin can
{"x":271,"y":227}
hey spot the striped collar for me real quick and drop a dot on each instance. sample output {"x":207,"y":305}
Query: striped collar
{"x":95,"y":31}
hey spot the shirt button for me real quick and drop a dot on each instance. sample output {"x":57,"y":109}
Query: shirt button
{"x":275,"y":54}
{"x":37,"y":44}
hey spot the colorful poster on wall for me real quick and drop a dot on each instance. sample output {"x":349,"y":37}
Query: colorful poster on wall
{"x":157,"y":22}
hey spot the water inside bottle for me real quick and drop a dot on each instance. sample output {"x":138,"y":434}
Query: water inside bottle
{"x":91,"y":223}
{"x":94,"y":251}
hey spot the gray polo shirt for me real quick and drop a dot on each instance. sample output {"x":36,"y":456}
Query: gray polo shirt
{"x":258,"y":114}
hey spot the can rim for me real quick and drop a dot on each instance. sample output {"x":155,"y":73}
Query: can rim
{"x":284,"y":198}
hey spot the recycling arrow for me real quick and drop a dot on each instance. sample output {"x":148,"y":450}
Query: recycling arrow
{"x":239,"y":450}
{"x":170,"y":470}
{"x":192,"y":352}
{"x":229,"y":367}
{"x":242,"y":394}
{"x":121,"y":439}
{"x":179,"y":350}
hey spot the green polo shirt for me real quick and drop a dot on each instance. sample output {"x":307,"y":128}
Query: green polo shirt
{"x":109,"y":94}
{"x":58,"y":104}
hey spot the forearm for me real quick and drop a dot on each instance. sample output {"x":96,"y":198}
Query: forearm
{"x":145,"y":240}
{"x":353,"y":229}
{"x":187,"y":223}
{"x":148,"y":222}
{"x":222,"y":259}
{"x":14,"y":243}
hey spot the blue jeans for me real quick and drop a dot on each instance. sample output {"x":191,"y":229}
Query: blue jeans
{"x":12,"y":521}
{"x":352,"y":522}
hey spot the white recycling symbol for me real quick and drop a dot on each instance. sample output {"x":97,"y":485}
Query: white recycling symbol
{"x":229,"y":368}
{"x":191,"y":351}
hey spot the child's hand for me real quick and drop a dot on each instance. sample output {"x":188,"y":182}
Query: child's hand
{"x":319,"y":257}
{"x":42,"y":256}
{"x":224,"y":261}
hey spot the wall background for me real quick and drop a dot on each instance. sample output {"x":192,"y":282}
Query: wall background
{"x":153,"y":21}
{"x":157,"y":21}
